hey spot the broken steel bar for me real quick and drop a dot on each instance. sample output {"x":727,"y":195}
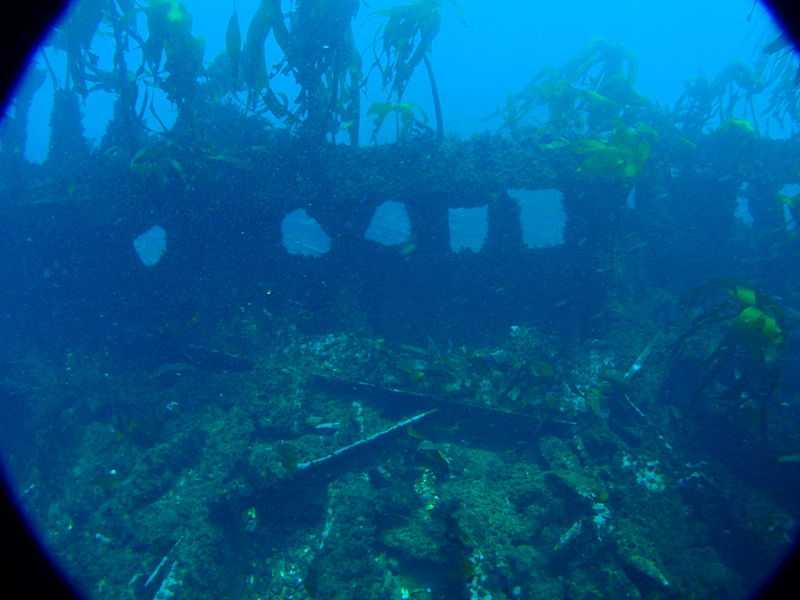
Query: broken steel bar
{"x":375,"y":437}
{"x":410,"y":399}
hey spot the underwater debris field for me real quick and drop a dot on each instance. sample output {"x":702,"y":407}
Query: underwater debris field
{"x":318,"y":345}
{"x":511,"y":471}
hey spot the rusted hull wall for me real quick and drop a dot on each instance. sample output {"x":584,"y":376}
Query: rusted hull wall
{"x":223,"y":217}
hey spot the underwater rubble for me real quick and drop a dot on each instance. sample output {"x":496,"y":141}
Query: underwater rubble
{"x":342,"y":466}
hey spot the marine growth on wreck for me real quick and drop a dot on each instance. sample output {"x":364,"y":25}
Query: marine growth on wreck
{"x":285,"y":329}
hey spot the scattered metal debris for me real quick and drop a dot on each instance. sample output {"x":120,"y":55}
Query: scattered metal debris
{"x":362,"y":443}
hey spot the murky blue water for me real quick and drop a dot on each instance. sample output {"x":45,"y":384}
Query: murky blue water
{"x":437,"y":299}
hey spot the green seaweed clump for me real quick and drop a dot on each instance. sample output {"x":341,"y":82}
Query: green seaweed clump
{"x":756,"y":326}
{"x":622,"y":156}
{"x":406,"y":113}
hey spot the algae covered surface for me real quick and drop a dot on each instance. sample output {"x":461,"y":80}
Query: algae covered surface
{"x":286,"y":330}
{"x":559,"y":502}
